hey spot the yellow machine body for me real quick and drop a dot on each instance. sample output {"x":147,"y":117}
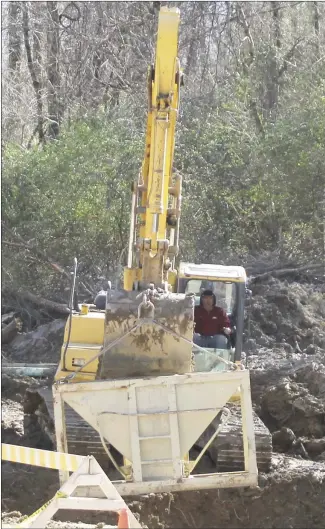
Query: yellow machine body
{"x":92,"y":329}
{"x":85,"y":342}
{"x":156,"y":201}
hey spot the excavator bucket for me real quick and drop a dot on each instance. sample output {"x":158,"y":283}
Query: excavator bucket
{"x":147,"y":335}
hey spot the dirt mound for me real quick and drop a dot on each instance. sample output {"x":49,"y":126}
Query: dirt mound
{"x":288,"y":391}
{"x":291,"y":496}
{"x":286,"y":357}
{"x":292,"y":404}
{"x":290,"y":314}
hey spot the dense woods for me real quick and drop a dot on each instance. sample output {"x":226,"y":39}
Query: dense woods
{"x":250,"y":138}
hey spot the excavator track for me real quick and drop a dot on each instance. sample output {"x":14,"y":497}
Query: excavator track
{"x":229,"y":443}
{"x":81,"y":437}
{"x":226,"y":452}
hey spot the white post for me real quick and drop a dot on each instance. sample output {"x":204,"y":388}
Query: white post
{"x":60,"y":429}
{"x":174,"y":432}
{"x":248,"y":425}
{"x":134,"y":431}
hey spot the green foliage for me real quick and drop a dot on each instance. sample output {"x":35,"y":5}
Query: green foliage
{"x":245,"y":193}
{"x":71,"y":199}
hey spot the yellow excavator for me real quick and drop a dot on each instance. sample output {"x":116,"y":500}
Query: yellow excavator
{"x":132,"y":388}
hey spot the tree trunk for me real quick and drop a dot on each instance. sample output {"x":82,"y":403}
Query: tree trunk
{"x":316,"y":26}
{"x":9,"y":332}
{"x":272,"y":72}
{"x":14,"y":37}
{"x":52,"y":306}
{"x":247,"y":61}
{"x":33,"y":69}
{"x":53,"y":74}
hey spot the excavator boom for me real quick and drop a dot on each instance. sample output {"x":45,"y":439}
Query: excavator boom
{"x":156,"y":201}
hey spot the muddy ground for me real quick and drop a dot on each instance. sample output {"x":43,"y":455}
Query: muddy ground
{"x":285,"y":352}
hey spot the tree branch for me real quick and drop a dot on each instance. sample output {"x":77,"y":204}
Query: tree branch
{"x":284,"y":272}
{"x":248,"y":36}
{"x":288,"y":56}
{"x":40,"y":254}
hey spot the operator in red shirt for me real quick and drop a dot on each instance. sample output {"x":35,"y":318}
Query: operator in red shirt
{"x":212,"y":325}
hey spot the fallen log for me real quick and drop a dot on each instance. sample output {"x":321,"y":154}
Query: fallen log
{"x":284,"y":272}
{"x":6,"y":318}
{"x":9,"y":332}
{"x":52,"y":306}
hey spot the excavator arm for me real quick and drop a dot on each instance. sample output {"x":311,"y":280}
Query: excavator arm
{"x":156,"y":200}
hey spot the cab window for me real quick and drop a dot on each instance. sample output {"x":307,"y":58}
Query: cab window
{"x":225,"y":292}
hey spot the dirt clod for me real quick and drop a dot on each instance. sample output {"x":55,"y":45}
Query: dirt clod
{"x":283,"y":439}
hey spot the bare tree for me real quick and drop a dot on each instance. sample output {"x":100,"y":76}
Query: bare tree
{"x":34,"y":70}
{"x":14,"y":37}
{"x":316,"y":17}
{"x":81,"y":55}
{"x":53,"y":74}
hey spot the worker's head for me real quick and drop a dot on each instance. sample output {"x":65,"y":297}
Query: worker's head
{"x":208,"y":299}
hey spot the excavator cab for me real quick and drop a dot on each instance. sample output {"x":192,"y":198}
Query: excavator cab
{"x":228,"y":283}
